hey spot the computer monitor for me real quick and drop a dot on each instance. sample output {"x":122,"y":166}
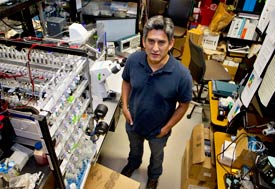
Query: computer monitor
{"x":118,"y":28}
{"x":268,"y":111}
{"x":239,"y":120}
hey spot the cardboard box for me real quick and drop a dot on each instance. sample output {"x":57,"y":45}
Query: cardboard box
{"x":210,"y":41}
{"x":101,"y":177}
{"x":246,"y":157}
{"x":186,"y":181}
{"x":197,"y":34}
{"x":242,"y":152}
{"x":242,"y":155}
{"x":211,"y":136}
{"x":201,"y":167}
{"x":232,"y":70}
{"x":231,"y":67}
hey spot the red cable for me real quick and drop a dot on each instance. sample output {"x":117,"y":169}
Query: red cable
{"x":29,"y":68}
{"x":5,"y":75}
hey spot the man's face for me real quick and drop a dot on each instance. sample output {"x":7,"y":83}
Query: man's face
{"x":157,"y":46}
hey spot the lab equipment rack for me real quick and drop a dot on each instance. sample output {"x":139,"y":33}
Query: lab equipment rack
{"x":48,"y":88}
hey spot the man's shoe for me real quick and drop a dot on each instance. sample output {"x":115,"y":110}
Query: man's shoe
{"x":128,"y":170}
{"x":152,"y":184}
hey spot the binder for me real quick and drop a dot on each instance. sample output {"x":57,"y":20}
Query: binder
{"x":245,"y":28}
{"x":241,"y":27}
{"x":249,"y":5}
{"x":235,"y":27}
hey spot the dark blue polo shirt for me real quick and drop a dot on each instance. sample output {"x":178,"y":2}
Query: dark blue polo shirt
{"x":154,"y":95}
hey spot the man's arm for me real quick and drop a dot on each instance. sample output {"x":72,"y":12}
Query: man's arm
{"x":176,"y":117}
{"x":125,"y":92}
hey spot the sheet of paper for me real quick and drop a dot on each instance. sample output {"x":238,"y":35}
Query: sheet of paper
{"x":250,"y":88}
{"x":78,"y":4}
{"x":271,"y":27}
{"x":235,"y":109}
{"x":264,"y":55}
{"x":267,"y":87}
{"x":265,"y":15}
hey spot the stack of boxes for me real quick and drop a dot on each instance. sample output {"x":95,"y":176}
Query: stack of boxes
{"x":197,"y":168}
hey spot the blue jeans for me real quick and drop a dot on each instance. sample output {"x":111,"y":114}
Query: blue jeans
{"x":136,"y":152}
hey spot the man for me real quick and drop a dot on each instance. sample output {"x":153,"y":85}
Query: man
{"x":156,"y":91}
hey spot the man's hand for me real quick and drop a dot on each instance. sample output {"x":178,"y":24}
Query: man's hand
{"x":127,"y":115}
{"x":164,"y":131}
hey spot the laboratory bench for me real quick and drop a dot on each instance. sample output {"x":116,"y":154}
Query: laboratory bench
{"x":214,"y":104}
{"x":110,"y":118}
{"x":61,"y":118}
{"x":219,"y":138}
{"x":220,"y":135}
{"x":253,"y":117}
{"x":245,"y":159}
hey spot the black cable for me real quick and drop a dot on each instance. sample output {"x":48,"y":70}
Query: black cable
{"x":10,"y":25}
{"x":235,"y":150}
{"x":217,"y":156}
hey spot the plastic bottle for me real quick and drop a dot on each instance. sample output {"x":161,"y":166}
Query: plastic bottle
{"x":39,"y":155}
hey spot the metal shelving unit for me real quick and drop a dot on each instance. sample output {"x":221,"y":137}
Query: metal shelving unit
{"x":55,"y":83}
{"x":91,"y":17}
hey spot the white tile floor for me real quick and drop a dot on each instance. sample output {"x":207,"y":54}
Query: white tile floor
{"x":116,"y":148}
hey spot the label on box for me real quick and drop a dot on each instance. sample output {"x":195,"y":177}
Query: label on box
{"x":210,"y":41}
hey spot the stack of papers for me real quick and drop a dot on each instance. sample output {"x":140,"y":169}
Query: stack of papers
{"x":238,"y":48}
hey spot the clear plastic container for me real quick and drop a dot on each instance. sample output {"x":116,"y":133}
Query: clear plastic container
{"x":91,"y":8}
{"x":105,"y":9}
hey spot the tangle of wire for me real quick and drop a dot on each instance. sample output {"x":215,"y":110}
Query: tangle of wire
{"x":22,"y":23}
{"x":256,"y":146}
{"x":237,"y":139}
{"x":29,"y":70}
{"x":12,"y":27}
